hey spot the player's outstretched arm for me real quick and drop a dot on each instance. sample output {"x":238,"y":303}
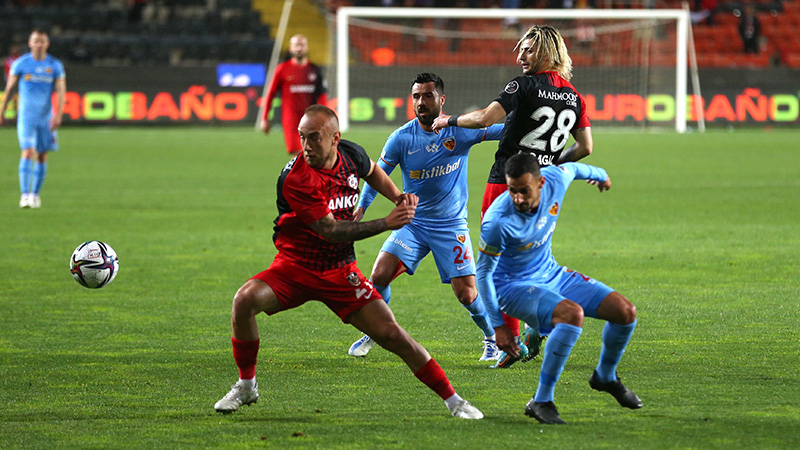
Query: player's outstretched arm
{"x":346,"y":231}
{"x":580,"y":149}
{"x":480,"y":118}
{"x":380,"y":181}
{"x":61,"y":97}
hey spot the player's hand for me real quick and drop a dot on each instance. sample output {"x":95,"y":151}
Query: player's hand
{"x":401,"y":215}
{"x":439,"y":123}
{"x":410,"y":199}
{"x":265,"y":126}
{"x":505,"y":340}
{"x":358,"y":214}
{"x":604,"y":186}
{"x":55,"y":122}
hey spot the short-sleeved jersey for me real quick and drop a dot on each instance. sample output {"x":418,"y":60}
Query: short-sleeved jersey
{"x":434,"y":168}
{"x":542,"y":111}
{"x":522,"y":240}
{"x":299,"y":87}
{"x":36,"y":83}
{"x":306,"y":195}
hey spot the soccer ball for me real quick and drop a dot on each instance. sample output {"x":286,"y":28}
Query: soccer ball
{"x":94,"y":264}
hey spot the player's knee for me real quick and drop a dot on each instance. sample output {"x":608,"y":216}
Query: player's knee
{"x":243,"y":301}
{"x":466,"y":295}
{"x":568,"y":312}
{"x":627,"y":313}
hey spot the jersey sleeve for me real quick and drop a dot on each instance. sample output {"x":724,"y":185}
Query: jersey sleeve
{"x":60,"y":73}
{"x":579,"y":171}
{"x":491,"y":247}
{"x":305,"y":199}
{"x":16,"y":70}
{"x":512,"y":94}
{"x":274,"y":84}
{"x":583,"y":118}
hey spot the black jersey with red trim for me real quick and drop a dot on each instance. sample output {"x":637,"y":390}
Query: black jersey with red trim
{"x":306,"y":195}
{"x":542,"y":110}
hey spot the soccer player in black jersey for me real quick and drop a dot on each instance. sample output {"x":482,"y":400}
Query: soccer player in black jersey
{"x":542,"y":109}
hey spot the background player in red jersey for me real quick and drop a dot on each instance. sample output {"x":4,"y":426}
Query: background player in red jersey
{"x":314,"y":234}
{"x":301,"y":85}
{"x":542,"y":109}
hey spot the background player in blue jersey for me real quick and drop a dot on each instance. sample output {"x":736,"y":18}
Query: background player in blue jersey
{"x":542,"y":109}
{"x":435,"y":169}
{"x":38,"y":74}
{"x":518,"y":275}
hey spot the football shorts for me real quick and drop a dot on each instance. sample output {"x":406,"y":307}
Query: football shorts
{"x":343,"y":290}
{"x":451,"y":248}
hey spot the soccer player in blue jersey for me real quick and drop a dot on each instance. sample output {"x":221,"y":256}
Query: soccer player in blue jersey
{"x":38,"y":75}
{"x":434,"y":168}
{"x":542,"y":109}
{"x":518,"y":275}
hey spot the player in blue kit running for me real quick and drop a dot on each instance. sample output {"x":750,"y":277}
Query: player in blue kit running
{"x":38,"y":74}
{"x":434,"y":168}
{"x":518,"y":275}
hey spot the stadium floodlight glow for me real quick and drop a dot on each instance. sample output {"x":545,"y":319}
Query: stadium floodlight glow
{"x":677,"y":45}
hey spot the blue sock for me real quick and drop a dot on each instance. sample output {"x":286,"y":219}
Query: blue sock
{"x":615,"y":339}
{"x":556,"y":351}
{"x":25,"y":175}
{"x":385,"y":291}
{"x":479,"y":316}
{"x":39,"y":172}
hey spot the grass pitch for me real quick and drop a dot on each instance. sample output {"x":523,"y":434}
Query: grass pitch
{"x":699,"y":231}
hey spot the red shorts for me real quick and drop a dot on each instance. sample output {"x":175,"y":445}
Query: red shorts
{"x":492,"y":191}
{"x":343,"y":290}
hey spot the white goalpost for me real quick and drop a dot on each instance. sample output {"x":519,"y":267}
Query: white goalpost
{"x":632,"y":64}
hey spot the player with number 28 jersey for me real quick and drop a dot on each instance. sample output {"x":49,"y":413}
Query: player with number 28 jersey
{"x":544,"y":109}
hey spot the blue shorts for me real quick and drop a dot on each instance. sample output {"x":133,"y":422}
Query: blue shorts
{"x":534,"y":302}
{"x":451,"y":247}
{"x":36,"y":135}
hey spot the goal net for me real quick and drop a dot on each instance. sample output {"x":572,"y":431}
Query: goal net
{"x":630,"y":65}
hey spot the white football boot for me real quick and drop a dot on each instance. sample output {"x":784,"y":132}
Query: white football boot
{"x":464,"y":410}
{"x":361,"y":347}
{"x":237,"y":397}
{"x":35,"y":201}
{"x":25,"y":201}
{"x":490,"y":350}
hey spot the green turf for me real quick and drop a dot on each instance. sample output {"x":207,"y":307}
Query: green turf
{"x":699,"y":231}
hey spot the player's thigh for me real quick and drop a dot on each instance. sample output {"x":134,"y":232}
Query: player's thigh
{"x":408,"y":244}
{"x":26,"y":134}
{"x":583,"y":290}
{"x":530,"y":303}
{"x":256,"y":296}
{"x":452,"y":250}
{"x":46,"y":139}
{"x":387,"y":267}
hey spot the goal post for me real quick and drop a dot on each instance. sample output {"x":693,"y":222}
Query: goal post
{"x":637,"y":56}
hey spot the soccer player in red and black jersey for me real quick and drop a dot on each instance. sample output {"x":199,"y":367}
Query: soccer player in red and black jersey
{"x":314,"y":234}
{"x":542,"y":109}
{"x":301,"y":85}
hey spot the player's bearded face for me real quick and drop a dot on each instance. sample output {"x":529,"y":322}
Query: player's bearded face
{"x":298,"y":48}
{"x":427,"y":102}
{"x":525,"y":191}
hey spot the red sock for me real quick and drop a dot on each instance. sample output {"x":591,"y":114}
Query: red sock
{"x":245,"y":352}
{"x":512,"y":323}
{"x":434,"y":377}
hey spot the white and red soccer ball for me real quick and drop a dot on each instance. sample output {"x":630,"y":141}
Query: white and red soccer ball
{"x":94,"y":264}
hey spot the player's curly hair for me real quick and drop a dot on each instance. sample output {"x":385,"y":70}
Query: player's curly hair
{"x":550,"y":49}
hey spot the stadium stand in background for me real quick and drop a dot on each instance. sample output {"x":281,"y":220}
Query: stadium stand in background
{"x":718,"y":44}
{"x":192,"y":33}
{"x":174,"y":32}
